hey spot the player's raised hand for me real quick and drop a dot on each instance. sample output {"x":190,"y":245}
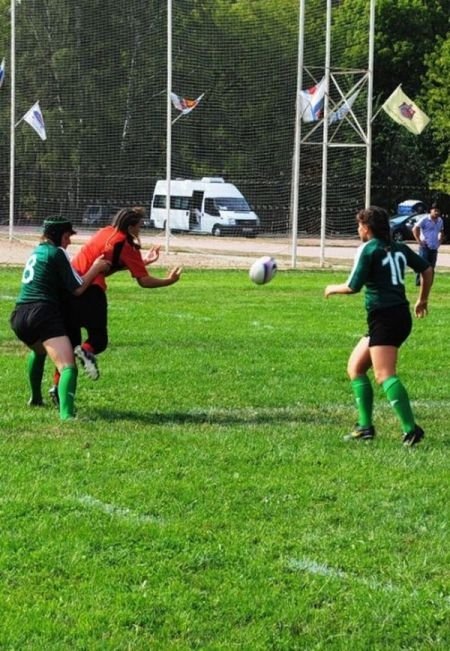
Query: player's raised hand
{"x":174,"y":274}
{"x":152,"y":255}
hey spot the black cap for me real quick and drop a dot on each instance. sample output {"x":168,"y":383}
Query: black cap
{"x":57,"y":226}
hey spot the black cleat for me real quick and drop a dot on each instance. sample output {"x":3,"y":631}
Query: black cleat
{"x":361,"y":433}
{"x":35,"y":403}
{"x":414,"y":437}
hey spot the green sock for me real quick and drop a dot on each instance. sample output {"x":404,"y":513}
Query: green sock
{"x":363,"y":392}
{"x":35,"y":367}
{"x":66,"y":390}
{"x":399,"y":400}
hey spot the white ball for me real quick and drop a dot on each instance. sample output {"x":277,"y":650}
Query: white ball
{"x":263,"y":270}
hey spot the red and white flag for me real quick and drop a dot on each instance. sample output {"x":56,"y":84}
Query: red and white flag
{"x":311,"y":102}
{"x":183,"y":104}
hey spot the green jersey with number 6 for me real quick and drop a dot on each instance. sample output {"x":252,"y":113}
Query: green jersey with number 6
{"x":46,"y":273}
{"x":381,"y":267}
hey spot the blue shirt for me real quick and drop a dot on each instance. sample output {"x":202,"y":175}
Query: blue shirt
{"x":429,"y":231}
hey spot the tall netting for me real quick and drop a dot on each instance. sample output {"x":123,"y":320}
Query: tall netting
{"x":99,"y":70}
{"x":341,"y":192}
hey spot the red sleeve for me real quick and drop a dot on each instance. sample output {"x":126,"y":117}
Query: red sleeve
{"x":131,"y":259}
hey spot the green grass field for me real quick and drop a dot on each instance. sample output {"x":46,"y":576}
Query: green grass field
{"x":205,"y":499}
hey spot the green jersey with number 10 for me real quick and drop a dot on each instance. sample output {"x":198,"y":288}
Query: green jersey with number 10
{"x":46,"y":273}
{"x":381,"y":267}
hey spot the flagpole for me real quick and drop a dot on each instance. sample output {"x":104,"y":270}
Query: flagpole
{"x":169,"y":121}
{"x":297,"y":137}
{"x":12,"y":144}
{"x":180,"y":115}
{"x":369,"y":103}
{"x":323,"y":208}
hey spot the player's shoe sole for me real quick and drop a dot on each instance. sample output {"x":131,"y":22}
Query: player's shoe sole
{"x":361,"y":434}
{"x":88,"y":362}
{"x":414,"y":437}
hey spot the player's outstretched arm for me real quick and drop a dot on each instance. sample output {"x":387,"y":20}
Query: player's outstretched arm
{"x":151,"y":281}
{"x":338,"y":289}
{"x":99,"y":266}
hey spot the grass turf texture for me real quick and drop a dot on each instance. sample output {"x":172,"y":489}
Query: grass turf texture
{"x":205,"y":499}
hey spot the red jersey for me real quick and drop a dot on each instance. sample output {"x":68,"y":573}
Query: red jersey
{"x":115,"y":248}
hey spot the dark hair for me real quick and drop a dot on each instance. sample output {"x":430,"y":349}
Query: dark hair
{"x":377,"y":220}
{"x":55,"y":227}
{"x":436,"y":206}
{"x":127,"y":217}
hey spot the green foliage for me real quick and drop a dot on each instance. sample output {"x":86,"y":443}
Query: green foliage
{"x":205,"y":500}
{"x":408,"y":47}
{"x":437,"y":95}
{"x":100,"y":70}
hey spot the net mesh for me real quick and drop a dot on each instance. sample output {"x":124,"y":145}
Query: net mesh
{"x":99,"y":69}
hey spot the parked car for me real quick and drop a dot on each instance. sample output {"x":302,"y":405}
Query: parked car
{"x":402,"y":225}
{"x":411,"y":207}
{"x":408,"y":213}
{"x":98,"y":215}
{"x":147,"y":222}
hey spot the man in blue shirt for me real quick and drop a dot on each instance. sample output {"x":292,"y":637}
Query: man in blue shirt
{"x":428,"y":233}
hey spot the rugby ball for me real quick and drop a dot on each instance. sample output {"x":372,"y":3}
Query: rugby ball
{"x":263,"y":270}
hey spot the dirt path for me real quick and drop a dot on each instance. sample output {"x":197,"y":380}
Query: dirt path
{"x":212,"y":252}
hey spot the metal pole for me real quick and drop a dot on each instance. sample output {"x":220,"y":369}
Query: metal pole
{"x":13,"y":119}
{"x":169,"y":121}
{"x":323,"y":212}
{"x":297,"y":137}
{"x":370,"y":102}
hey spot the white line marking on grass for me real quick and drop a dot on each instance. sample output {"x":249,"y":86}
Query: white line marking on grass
{"x":264,"y":326}
{"x":190,"y":317}
{"x":117,"y":511}
{"x":311,"y":567}
{"x":5,"y":297}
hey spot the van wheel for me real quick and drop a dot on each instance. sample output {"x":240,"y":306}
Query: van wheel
{"x":216,"y":231}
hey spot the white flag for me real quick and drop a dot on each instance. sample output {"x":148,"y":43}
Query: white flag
{"x":184,"y":104}
{"x":311,"y":102}
{"x":405,"y":112}
{"x":2,"y":72}
{"x":35,"y":119}
{"x":341,"y":112}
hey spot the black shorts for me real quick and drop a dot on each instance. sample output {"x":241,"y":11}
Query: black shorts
{"x":34,"y":322}
{"x":88,"y":311}
{"x":389,"y":326}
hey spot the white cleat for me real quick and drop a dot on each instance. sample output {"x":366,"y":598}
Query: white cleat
{"x":88,"y":362}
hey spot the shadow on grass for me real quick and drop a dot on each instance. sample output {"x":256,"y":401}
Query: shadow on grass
{"x":221,"y":416}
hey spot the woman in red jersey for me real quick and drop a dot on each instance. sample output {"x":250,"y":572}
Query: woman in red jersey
{"x":120,"y":245}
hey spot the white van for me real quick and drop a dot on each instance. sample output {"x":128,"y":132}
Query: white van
{"x":207,"y":205}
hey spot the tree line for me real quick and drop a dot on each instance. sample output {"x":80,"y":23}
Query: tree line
{"x":99,"y":69}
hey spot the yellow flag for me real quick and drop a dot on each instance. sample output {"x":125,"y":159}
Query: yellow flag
{"x":403,"y":110}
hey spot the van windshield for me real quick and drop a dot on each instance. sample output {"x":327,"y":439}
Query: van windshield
{"x":236,"y":204}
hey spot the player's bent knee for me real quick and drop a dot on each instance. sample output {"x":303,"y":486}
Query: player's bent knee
{"x":99,"y":343}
